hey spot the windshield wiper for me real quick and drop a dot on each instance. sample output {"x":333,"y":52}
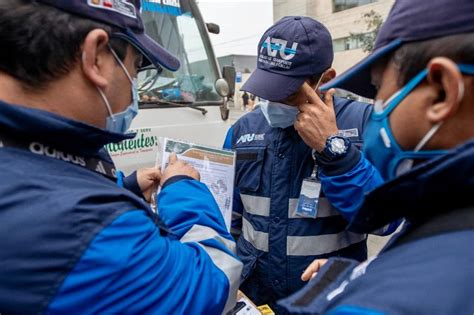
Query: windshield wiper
{"x":177,"y":103}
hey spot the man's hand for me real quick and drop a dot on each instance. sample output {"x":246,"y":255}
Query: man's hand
{"x":148,"y":179}
{"x":317,"y":119}
{"x":313,"y":269}
{"x":176,"y":168}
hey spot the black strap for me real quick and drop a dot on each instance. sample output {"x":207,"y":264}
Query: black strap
{"x":452,"y":221}
{"x":97,"y":165}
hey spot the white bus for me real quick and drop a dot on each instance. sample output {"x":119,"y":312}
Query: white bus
{"x":189,"y":104}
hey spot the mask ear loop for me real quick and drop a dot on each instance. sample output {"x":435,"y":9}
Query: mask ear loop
{"x":107,"y":104}
{"x":133,"y":81}
{"x":427,"y":137}
{"x":121,"y":64}
{"x":461,"y":90}
{"x":316,"y":89}
{"x":436,"y":127}
{"x":101,"y":93}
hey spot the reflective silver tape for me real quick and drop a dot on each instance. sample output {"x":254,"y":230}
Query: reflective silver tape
{"x":258,"y":239}
{"x":200,"y":233}
{"x":236,"y":215}
{"x":321,"y":244}
{"x":256,"y":205}
{"x":231,"y":267}
{"x":381,"y":231}
{"x":324,"y":209}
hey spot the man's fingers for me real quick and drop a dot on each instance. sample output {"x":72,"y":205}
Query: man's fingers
{"x":155,"y":173}
{"x":311,"y":94}
{"x":173,"y":158}
{"x":197,"y":175}
{"x":313,"y":269}
{"x":329,"y":98}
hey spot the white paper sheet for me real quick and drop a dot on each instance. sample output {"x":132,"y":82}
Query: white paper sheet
{"x":216,"y":166}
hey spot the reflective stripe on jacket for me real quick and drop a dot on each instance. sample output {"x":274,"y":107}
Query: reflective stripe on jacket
{"x":276,"y":245}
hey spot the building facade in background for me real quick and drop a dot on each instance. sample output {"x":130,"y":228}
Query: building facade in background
{"x":244,"y":66}
{"x":341,"y":17}
{"x":241,"y":63}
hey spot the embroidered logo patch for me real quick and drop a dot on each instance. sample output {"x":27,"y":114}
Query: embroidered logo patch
{"x":251,"y":137}
{"x":123,"y":7}
{"x":349,"y":133}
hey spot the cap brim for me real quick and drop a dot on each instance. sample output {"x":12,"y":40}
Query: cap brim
{"x":271,"y":86}
{"x":151,"y":50}
{"x":357,"y":79}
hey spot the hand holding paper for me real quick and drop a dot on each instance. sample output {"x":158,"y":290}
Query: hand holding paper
{"x":148,"y":179}
{"x":176,"y":168}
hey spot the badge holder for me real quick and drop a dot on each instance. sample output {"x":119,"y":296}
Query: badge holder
{"x":309,"y":196}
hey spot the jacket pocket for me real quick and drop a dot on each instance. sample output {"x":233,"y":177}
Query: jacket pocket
{"x":249,"y":167}
{"x":248,"y":255}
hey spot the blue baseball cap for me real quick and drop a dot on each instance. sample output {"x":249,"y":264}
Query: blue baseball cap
{"x":408,"y":21}
{"x":292,"y":50}
{"x":124,"y":15}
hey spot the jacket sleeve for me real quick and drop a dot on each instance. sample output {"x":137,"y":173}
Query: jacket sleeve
{"x":130,"y":182}
{"x":129,"y":267}
{"x":237,"y":206}
{"x":346,"y":189}
{"x":353,"y":310}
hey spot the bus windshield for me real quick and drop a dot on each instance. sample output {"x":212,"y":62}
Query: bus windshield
{"x":173,"y":24}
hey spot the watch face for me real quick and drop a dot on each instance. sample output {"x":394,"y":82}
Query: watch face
{"x":338,"y":146}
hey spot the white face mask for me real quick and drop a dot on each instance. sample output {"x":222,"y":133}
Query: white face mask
{"x":279,"y":115}
{"x":120,"y":122}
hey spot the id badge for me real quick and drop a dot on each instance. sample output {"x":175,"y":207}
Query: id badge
{"x":309,"y":197}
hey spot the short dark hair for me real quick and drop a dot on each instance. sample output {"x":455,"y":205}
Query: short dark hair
{"x":412,"y":58}
{"x":41,"y":44}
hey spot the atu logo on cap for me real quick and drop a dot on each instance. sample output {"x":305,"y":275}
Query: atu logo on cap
{"x":275,"y":45}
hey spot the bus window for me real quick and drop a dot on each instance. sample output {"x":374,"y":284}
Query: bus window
{"x":179,"y":28}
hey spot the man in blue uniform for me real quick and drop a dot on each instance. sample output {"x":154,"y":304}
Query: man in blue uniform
{"x":72,"y":240}
{"x":278,"y":240}
{"x":421,"y":139}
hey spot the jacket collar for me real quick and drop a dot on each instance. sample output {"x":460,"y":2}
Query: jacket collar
{"x":437,"y":186}
{"x":57,"y":131}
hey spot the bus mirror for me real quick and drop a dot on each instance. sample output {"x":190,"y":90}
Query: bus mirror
{"x":222,"y":87}
{"x":228,"y":73}
{"x":213,"y":28}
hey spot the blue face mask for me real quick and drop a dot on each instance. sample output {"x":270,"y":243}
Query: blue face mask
{"x":380,"y":146}
{"x":120,"y":122}
{"x":279,"y":115}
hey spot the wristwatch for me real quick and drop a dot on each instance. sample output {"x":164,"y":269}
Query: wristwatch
{"x":336,"y":147}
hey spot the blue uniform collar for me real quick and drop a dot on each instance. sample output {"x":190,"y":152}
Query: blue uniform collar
{"x":435,"y":187}
{"x":48,"y":128}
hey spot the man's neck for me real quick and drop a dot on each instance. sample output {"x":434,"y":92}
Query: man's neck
{"x":64,"y":97}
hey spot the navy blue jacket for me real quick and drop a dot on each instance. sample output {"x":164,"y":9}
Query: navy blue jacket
{"x":73,"y":241}
{"x":276,"y":244}
{"x":432,"y":273}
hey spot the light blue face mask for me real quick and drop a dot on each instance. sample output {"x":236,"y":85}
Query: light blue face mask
{"x":279,"y":115}
{"x":380,"y":146}
{"x":120,"y":122}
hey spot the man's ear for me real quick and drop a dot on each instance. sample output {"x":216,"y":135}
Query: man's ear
{"x":96,"y":59}
{"x":328,"y":75}
{"x":446,"y":81}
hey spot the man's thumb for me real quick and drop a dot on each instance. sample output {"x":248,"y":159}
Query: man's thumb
{"x":173,"y":158}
